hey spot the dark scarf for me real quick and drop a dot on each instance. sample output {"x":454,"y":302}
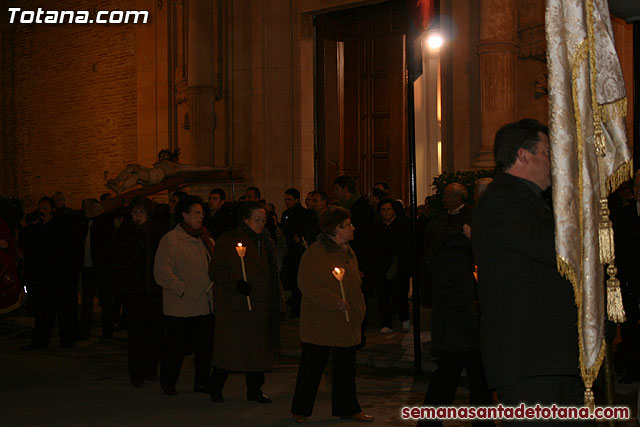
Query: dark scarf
{"x":263,"y":240}
{"x":203,"y":234}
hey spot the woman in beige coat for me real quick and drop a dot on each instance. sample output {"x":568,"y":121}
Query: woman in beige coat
{"x":329,"y":323}
{"x":181,"y":268}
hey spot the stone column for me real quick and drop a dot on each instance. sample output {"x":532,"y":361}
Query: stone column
{"x":201,"y":79}
{"x":498,"y":51}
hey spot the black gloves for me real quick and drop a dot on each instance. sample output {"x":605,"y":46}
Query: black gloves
{"x":243,"y":287}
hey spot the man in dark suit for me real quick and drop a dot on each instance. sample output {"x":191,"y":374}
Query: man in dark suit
{"x":293,"y":224}
{"x":529,"y":337}
{"x":92,"y":246}
{"x":625,"y":215}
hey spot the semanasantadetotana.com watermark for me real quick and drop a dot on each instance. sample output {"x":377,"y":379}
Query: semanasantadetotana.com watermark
{"x":41,"y":16}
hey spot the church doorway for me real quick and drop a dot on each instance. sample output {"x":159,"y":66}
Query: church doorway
{"x":360,"y":82}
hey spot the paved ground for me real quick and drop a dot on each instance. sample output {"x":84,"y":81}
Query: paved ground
{"x":88,"y":385}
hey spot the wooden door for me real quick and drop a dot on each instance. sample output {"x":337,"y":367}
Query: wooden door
{"x":360,"y":97}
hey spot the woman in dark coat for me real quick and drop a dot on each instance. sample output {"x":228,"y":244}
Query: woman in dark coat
{"x":244,"y":339}
{"x":133,"y":249}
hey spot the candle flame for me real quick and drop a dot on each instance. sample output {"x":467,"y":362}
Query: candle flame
{"x":338,"y":273}
{"x":239,"y":245}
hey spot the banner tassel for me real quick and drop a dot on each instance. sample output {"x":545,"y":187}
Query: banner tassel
{"x":615,"y":309}
{"x":605,"y":234}
{"x":589,"y":400}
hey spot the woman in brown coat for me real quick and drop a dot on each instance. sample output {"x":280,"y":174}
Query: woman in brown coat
{"x":329,"y":322}
{"x":245,"y":338}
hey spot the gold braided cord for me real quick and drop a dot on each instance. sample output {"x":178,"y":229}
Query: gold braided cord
{"x":613,"y":110}
{"x":597,"y":121}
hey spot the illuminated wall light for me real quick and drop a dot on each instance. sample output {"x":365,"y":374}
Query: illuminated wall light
{"x":434,"y":41}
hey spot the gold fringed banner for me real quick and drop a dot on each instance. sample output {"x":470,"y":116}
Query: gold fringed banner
{"x":590,"y":158}
{"x":615,"y":309}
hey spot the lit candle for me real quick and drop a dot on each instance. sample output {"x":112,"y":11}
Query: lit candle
{"x":338,"y":273}
{"x":242,"y":250}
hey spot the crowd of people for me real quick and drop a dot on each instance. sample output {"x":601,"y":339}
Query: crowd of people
{"x":214,"y":279}
{"x":210,"y":279}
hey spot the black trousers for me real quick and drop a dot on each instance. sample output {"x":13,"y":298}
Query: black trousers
{"x":186,"y":335}
{"x":144,"y":335}
{"x":444,"y":382}
{"x":253,"y":380}
{"x":46,"y":311}
{"x":51,"y":301}
{"x":343,"y":380}
{"x":393,"y":297}
{"x":96,"y":281}
{"x":563,"y":390}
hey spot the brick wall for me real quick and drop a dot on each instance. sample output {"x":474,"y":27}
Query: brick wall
{"x":74,"y":103}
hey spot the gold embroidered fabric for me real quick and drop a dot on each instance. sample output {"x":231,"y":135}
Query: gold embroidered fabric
{"x":590,"y":156}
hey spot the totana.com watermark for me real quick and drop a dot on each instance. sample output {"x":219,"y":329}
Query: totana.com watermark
{"x":41,"y":16}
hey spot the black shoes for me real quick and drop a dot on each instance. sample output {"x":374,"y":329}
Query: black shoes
{"x":259,"y":397}
{"x":169,"y":390}
{"x":201,"y":389}
{"x":138,"y":383}
{"x":216,"y":396}
{"x":33,"y":346}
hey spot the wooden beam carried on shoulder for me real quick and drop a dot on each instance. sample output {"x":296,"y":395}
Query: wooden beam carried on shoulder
{"x":209,"y":176}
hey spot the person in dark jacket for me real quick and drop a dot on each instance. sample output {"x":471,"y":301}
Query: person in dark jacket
{"x":455,"y":322}
{"x":528,"y":331}
{"x":46,"y":268}
{"x":220,"y":216}
{"x":133,"y":249}
{"x":92,"y":244}
{"x":393,"y":265}
{"x":293,"y":224}
{"x":625,"y":215}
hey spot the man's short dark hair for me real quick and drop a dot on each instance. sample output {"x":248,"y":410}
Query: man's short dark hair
{"x":513,"y":136}
{"x":380,"y":194}
{"x":385,"y":201}
{"x":220,"y":192}
{"x":383,"y":184}
{"x":179,"y":194}
{"x":49,"y":200}
{"x":254,"y":189}
{"x":323,"y":196}
{"x":293,"y":192}
{"x":346,"y":181}
{"x":185,"y":203}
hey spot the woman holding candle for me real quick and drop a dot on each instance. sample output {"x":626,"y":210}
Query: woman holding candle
{"x":181,"y":269}
{"x":329,"y":270}
{"x":247,"y":294}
